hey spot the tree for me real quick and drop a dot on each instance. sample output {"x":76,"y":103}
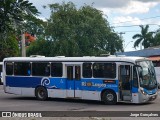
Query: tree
{"x":156,"y":41}
{"x":40,"y":47}
{"x":34,"y":25}
{"x":10,"y":47}
{"x":13,"y":14}
{"x":145,"y":37}
{"x":80,"y":32}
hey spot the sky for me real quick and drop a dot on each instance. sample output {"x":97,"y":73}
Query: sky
{"x":124,"y":16}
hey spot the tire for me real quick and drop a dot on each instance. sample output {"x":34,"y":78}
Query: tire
{"x":109,"y":97}
{"x":41,"y":93}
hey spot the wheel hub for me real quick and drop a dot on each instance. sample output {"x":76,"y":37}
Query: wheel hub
{"x":109,"y":97}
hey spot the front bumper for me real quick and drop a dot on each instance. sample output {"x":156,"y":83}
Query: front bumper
{"x":152,"y":97}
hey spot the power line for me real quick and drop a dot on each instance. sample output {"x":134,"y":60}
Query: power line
{"x":133,"y":25}
{"x":153,"y":31}
{"x":137,"y":20}
{"x":129,"y":31}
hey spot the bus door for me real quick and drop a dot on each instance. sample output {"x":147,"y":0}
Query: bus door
{"x":73,"y":83}
{"x":125,"y":86}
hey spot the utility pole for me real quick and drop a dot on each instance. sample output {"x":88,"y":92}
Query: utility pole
{"x":23,"y":45}
{"x":141,"y":45}
{"x":121,"y":38}
{"x":121,"y":33}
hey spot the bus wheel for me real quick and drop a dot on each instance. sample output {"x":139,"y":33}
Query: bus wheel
{"x":109,"y":97}
{"x":41,"y":93}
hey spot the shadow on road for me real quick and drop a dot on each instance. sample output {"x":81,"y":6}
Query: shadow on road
{"x":91,"y":102}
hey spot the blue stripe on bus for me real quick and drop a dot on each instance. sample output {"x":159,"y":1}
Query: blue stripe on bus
{"x":22,"y":81}
{"x":35,"y":81}
{"x":60,"y":83}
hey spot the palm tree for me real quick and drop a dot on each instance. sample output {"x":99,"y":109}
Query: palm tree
{"x":145,"y":37}
{"x":156,"y":41}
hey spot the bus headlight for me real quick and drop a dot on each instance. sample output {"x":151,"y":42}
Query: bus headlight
{"x":142,"y":91}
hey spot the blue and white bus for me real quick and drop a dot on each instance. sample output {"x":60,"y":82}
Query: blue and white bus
{"x":108,"y":79}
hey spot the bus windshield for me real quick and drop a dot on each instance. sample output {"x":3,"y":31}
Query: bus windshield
{"x":147,"y":75}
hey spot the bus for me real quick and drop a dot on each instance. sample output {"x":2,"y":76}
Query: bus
{"x":156,"y":63}
{"x":107,"y":79}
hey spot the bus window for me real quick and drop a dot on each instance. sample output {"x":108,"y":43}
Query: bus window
{"x":9,"y":68}
{"x":70,"y":72}
{"x":125,"y":70}
{"x":56,"y":69}
{"x":22,"y":68}
{"x":104,"y":70}
{"x":40,"y":69}
{"x":87,"y":70}
{"x":77,"y":72}
{"x":135,"y":78}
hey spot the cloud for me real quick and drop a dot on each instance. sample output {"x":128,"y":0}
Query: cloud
{"x":129,"y":21}
{"x":109,"y":7}
{"x":121,"y":20}
{"x":103,"y":5}
{"x":78,"y":3}
{"x":108,"y":3}
{"x":137,"y":7}
{"x":148,"y":0}
{"x":133,"y":7}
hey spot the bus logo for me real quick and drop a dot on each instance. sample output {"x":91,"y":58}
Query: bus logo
{"x":45,"y":81}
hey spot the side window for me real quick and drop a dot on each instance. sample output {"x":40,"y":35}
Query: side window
{"x":125,"y":70}
{"x":104,"y":70}
{"x":70,"y":72}
{"x":98,"y":69}
{"x":135,"y":78}
{"x":22,"y":68}
{"x":56,"y":69}
{"x":109,"y":70}
{"x":40,"y":69}
{"x":87,"y":70}
{"x":77,"y":72}
{"x":9,"y":68}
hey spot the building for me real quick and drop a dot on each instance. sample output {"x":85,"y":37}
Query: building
{"x":149,"y":52}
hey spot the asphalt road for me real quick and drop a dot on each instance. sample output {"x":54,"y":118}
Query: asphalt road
{"x":10,"y":102}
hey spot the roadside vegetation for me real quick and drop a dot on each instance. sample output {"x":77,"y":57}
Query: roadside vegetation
{"x":69,"y":31}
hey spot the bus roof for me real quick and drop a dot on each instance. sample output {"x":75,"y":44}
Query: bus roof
{"x":76,"y":59}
